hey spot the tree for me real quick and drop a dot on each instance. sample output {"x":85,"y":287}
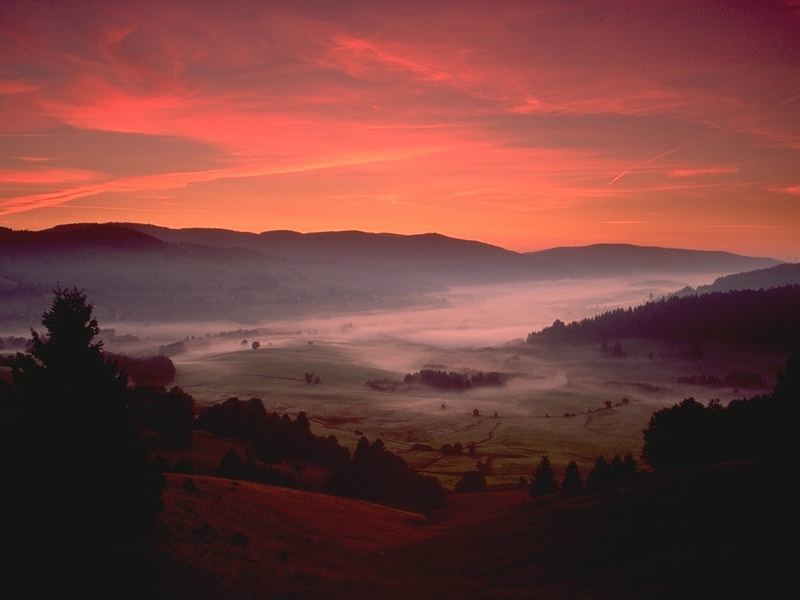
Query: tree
{"x":788,"y":386}
{"x":680,"y":436}
{"x":81,"y":468}
{"x":601,"y":473}
{"x":231,"y":465}
{"x":544,"y":479}
{"x":169,"y":414}
{"x":572,"y":478}
{"x":256,"y":345}
{"x":472,"y":481}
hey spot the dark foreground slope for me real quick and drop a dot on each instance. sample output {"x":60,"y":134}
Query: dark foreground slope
{"x":710,"y":532}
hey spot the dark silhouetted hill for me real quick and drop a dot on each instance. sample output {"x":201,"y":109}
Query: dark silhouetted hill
{"x":134,"y":276}
{"x":759,"y":318}
{"x":452,"y":260}
{"x":599,"y":260}
{"x":777,"y":276}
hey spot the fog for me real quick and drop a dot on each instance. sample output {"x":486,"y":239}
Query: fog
{"x":461,"y":318}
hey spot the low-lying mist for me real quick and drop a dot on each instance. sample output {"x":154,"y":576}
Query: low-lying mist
{"x":461,"y":318}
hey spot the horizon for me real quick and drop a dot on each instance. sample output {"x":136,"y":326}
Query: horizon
{"x":526,"y":126}
{"x":413,"y":234}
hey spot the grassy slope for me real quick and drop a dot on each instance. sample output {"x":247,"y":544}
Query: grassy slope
{"x":684,"y":535}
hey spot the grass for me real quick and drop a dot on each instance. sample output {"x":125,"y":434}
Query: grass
{"x":699,"y":533}
{"x":530,"y":407}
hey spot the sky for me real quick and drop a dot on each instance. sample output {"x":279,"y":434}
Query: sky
{"x":523,"y":124}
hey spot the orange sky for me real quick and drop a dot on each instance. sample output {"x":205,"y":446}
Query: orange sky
{"x":525,"y":124}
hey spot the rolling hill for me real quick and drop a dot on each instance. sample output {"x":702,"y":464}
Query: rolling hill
{"x":656,"y":538}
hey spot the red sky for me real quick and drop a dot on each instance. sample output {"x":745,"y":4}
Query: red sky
{"x":525,"y":124}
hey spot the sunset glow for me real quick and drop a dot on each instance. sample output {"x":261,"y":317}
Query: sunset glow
{"x":523,"y":124}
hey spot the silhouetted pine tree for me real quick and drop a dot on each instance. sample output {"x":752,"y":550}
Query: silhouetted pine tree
{"x":572,"y":478}
{"x":544,"y":479}
{"x":81,"y":469}
{"x":600,"y":475}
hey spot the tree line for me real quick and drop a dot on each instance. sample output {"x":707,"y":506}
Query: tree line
{"x":453,"y":380}
{"x":718,"y":317}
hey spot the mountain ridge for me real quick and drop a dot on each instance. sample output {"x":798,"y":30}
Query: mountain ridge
{"x":140,"y":271}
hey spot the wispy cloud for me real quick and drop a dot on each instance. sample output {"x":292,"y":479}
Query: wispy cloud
{"x":792,"y":190}
{"x":702,"y":171}
{"x":529,"y":116}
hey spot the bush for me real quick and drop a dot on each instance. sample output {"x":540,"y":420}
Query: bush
{"x":472,"y":481}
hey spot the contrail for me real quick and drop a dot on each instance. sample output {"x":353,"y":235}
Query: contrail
{"x":644,"y":162}
{"x":790,"y":100}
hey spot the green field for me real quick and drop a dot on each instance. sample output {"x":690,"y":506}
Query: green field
{"x":530,"y":407}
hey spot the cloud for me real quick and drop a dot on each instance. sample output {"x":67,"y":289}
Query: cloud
{"x":47,"y":176}
{"x":792,"y":190}
{"x":701,"y":171}
{"x":530,"y":116}
{"x":17,"y":87}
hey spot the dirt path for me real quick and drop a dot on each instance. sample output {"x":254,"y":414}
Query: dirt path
{"x":489,"y":436}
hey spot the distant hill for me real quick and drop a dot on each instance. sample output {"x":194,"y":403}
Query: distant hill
{"x":777,"y":276}
{"x":77,"y":237}
{"x":440,"y":258}
{"x":766,"y":318}
{"x":599,"y":260}
{"x":146,"y":272}
{"x":131,"y":275}
{"x":452,"y":260}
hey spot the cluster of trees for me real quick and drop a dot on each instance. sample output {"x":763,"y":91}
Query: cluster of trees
{"x":167,"y":414}
{"x":736,"y":379}
{"x":272,"y":437}
{"x":383,"y":385}
{"x":604,"y":474}
{"x":758,"y":428}
{"x":457,"y":449}
{"x":471,"y":481}
{"x":379,"y":475}
{"x":372,"y":473}
{"x":151,"y":370}
{"x":719,"y":317}
{"x":172,"y":349}
{"x":453,"y":380}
